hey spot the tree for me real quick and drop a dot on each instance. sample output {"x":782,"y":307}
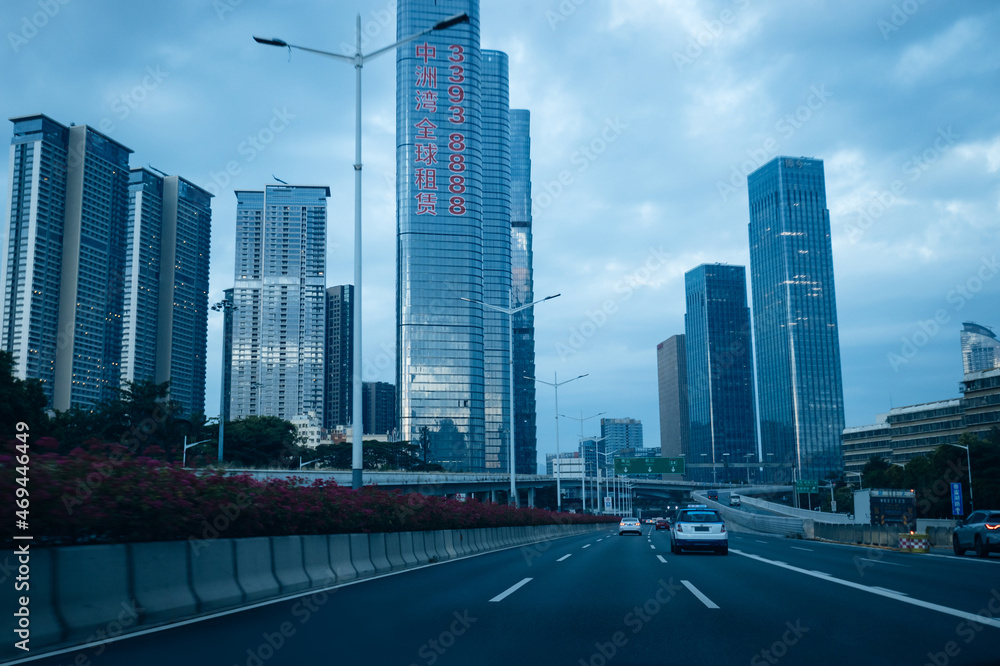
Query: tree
{"x":21,"y":401}
{"x":261,"y":441}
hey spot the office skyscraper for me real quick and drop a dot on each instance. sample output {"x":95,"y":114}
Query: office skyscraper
{"x":379,"y":408}
{"x":525,"y":447}
{"x":621,"y":434}
{"x":280,"y":296}
{"x":339,"y":356}
{"x":64,"y":262}
{"x":439,"y":204}
{"x":980,"y":348}
{"x":718,"y":350}
{"x":671,"y":370}
{"x":166,"y":285}
{"x":800,"y":393}
{"x":497,"y":333}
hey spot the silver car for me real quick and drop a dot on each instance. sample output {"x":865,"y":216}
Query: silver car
{"x":629,"y":525}
{"x":979,"y":532}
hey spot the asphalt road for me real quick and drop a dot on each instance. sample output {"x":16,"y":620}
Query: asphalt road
{"x":605,"y":599}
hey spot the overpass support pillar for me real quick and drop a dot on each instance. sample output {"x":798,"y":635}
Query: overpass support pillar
{"x":493,"y":495}
{"x":531,"y":497}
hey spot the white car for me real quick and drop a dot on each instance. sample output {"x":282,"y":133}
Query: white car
{"x":629,"y":525}
{"x":979,"y":532}
{"x":699,"y":528}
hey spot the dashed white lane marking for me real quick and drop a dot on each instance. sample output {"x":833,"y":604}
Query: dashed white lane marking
{"x":510,"y":590}
{"x":696,"y":592}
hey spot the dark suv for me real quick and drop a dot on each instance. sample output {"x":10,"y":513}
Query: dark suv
{"x":979,"y":532}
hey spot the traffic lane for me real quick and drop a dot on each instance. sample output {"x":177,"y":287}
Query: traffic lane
{"x":946,"y":581}
{"x":817,"y":620}
{"x":412,"y":607}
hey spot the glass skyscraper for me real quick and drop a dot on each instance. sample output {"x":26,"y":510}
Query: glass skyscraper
{"x":497,"y":333}
{"x":800,"y":392}
{"x":718,"y":350}
{"x":440,"y":256}
{"x":166,"y":285}
{"x":280,"y":295}
{"x":525,"y":448}
{"x":621,"y":434}
{"x":63,"y":266}
{"x":339,"y":356}
{"x":980,"y":348}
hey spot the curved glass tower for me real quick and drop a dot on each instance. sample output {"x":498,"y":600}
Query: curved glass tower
{"x":980,"y":348}
{"x":439,"y":225}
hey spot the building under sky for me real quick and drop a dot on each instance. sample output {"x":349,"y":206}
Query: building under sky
{"x":339,"y":375}
{"x":439,"y":208}
{"x":63,"y":267}
{"x":718,"y":351}
{"x":671,"y":372}
{"x":980,"y":348}
{"x":800,"y":391}
{"x":280,"y":296}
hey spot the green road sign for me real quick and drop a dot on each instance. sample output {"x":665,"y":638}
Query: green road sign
{"x":807,"y":487}
{"x":649,"y":465}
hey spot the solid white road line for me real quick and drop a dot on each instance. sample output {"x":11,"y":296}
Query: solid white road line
{"x":993,"y":622}
{"x":661,"y":558}
{"x":892,"y":564}
{"x":564,"y":557}
{"x":510,"y":590}
{"x":885,"y":589}
{"x":696,"y":592}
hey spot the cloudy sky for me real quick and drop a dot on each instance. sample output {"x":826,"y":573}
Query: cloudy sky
{"x":646,"y":116}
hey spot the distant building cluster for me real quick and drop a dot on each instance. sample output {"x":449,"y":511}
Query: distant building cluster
{"x":708,"y":409}
{"x":916,"y":430}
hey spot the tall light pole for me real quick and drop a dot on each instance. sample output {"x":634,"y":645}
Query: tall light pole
{"x":188,"y":446}
{"x":598,"y":503}
{"x":968,"y":462}
{"x":748,"y":456}
{"x":226,"y":307}
{"x":358,"y":60}
{"x":510,"y":312}
{"x":583,"y":473}
{"x":555,"y":383}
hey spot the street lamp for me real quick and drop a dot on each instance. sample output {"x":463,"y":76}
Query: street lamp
{"x":861,"y":482}
{"x":748,"y":455}
{"x":726,"y":463}
{"x":358,"y":60}
{"x":226,"y":307}
{"x":583,"y":473}
{"x":968,"y":462}
{"x":555,"y":383}
{"x":597,"y":497}
{"x":188,"y":446}
{"x":510,"y":312}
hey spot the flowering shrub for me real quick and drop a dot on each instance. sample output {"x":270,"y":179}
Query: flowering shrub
{"x":105,"y":495}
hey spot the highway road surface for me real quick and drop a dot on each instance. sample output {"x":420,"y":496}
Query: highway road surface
{"x":603,"y":599}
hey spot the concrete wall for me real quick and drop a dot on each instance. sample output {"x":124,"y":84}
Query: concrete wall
{"x":109,"y":590}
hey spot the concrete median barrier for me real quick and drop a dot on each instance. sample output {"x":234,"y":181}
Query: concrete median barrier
{"x":289,"y":566}
{"x":406,"y":549}
{"x":255,"y":568}
{"x":340,"y":557}
{"x":361,"y":555}
{"x":316,"y":559}
{"x":160,"y":581}
{"x":92,"y":590}
{"x":393,"y":551}
{"x":213,"y":574}
{"x":376,"y":543}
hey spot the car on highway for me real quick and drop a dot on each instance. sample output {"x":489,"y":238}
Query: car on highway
{"x":627,"y":525}
{"x":734,"y":500}
{"x":662,"y":524}
{"x":979,"y":532}
{"x":713,"y":495}
{"x":699,"y":528}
